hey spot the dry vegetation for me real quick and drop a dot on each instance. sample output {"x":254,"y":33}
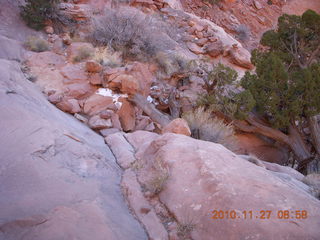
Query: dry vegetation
{"x":36,"y":44}
{"x":206,"y":127}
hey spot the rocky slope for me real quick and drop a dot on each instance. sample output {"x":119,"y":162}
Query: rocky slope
{"x":62,"y":180}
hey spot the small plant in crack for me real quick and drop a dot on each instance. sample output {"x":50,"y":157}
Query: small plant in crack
{"x":156,"y":184}
{"x":185,"y":229}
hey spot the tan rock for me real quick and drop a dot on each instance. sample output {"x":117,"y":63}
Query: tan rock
{"x":69,"y":105}
{"x":214,"y":49}
{"x":178,"y":126}
{"x":106,"y":114}
{"x":122,"y":149}
{"x":116,"y":121}
{"x":127,"y":115}
{"x":204,"y":174}
{"x":193,"y":47}
{"x":96,"y":103}
{"x":108,"y":131}
{"x":99,"y":123}
{"x":141,"y":207}
{"x":93,"y":67}
{"x":240,"y":57}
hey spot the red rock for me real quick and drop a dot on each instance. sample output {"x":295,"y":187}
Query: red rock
{"x":98,"y":123}
{"x":178,"y":126}
{"x":74,"y":73}
{"x":96,"y":103}
{"x":129,"y":85}
{"x":127,"y":115}
{"x":95,"y":79}
{"x":55,"y":98}
{"x":93,"y":67}
{"x":240,"y":57}
{"x":69,"y":105}
{"x":106,"y":114}
{"x":204,"y":174}
{"x":78,"y":90}
{"x":66,"y":39}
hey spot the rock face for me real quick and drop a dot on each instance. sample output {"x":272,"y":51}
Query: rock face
{"x":58,"y":178}
{"x":204,"y":177}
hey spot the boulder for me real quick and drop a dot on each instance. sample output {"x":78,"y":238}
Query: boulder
{"x":240,"y":57}
{"x":178,"y":126}
{"x":214,"y":49}
{"x":140,"y":206}
{"x":193,"y":47}
{"x":127,"y":115}
{"x":129,"y":85}
{"x":98,"y":123}
{"x":108,"y":131}
{"x":58,"y":178}
{"x":122,"y":149}
{"x":78,"y":90}
{"x":95,"y":79}
{"x":69,"y":105}
{"x":96,"y":103}
{"x":93,"y":67}
{"x":206,"y":178}
{"x":74,"y":73}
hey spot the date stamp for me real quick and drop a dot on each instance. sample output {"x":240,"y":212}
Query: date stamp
{"x":259,"y":215}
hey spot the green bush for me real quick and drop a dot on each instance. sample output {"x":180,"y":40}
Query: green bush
{"x":36,"y":12}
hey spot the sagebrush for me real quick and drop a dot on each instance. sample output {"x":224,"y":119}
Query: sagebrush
{"x":134,"y":33}
{"x":36,"y":44}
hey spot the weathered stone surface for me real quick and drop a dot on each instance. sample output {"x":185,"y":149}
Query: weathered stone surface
{"x":179,"y":126}
{"x":76,"y":48}
{"x":205,"y":177}
{"x":93,"y":67}
{"x":58,"y":178}
{"x":69,"y":105}
{"x":97,"y":123}
{"x":74,"y":73}
{"x":122,"y":149}
{"x":193,"y":47}
{"x":79,"y":90}
{"x":141,"y":207}
{"x":240,"y":57}
{"x":127,"y":115}
{"x":95,"y":79}
{"x":96,"y":103}
{"x":109,"y":131}
{"x":214,"y":49}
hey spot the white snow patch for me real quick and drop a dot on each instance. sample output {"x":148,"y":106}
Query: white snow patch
{"x":106,"y":92}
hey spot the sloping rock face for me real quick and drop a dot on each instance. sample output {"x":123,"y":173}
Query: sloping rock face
{"x":58,"y":178}
{"x":206,"y":177}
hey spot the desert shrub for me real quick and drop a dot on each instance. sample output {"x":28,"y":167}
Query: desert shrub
{"x":206,"y":127}
{"x":134,"y":33}
{"x":37,"y":44}
{"x":36,"y":12}
{"x":184,"y":230}
{"x":243,"y":32}
{"x":108,"y":57}
{"x":83,"y":54}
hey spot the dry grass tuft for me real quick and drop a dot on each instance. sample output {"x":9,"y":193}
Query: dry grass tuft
{"x":206,"y":127}
{"x":36,"y":44}
{"x":83,"y":54}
